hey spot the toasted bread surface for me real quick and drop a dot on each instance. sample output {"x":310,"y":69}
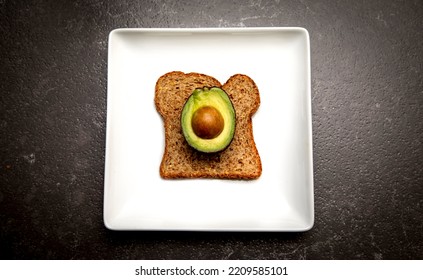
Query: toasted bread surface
{"x":240,"y":160}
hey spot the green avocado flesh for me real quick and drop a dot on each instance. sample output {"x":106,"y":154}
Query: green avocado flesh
{"x":208,"y":120}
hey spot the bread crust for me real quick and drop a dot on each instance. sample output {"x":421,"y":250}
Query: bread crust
{"x":240,"y":160}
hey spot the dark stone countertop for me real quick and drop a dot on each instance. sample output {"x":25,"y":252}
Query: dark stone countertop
{"x":367,"y":102}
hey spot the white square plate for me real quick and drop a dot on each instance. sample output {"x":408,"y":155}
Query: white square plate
{"x":137,"y":198}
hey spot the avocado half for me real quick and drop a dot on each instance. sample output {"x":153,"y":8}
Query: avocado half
{"x":208,"y":120}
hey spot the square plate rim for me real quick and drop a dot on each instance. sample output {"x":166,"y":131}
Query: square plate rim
{"x":193,"y":30}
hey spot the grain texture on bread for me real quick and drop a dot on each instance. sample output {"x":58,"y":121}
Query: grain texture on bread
{"x":240,"y":160}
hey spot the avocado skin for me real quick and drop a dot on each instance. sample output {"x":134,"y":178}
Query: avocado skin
{"x":217,"y":98}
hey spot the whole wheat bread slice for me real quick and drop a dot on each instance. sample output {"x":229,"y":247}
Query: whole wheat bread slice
{"x":240,"y":160}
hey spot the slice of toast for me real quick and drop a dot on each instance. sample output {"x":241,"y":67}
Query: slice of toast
{"x":240,"y":160}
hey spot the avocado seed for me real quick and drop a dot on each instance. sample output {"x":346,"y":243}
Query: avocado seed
{"x":207,"y":122}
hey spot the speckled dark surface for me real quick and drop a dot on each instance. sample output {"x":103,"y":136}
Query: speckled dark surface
{"x":367,"y":101}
